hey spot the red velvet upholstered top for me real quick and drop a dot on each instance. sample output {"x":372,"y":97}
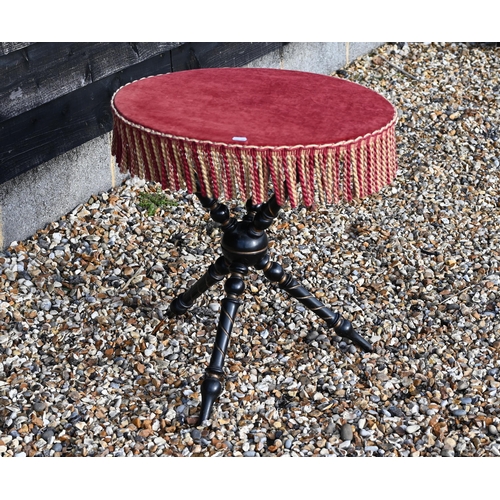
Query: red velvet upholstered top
{"x":267,"y":107}
{"x":241,"y":132}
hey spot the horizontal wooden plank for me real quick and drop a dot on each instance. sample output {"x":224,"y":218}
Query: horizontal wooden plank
{"x":43,"y":72}
{"x":7,"y":47}
{"x":193,"y":55}
{"x":52,"y":129}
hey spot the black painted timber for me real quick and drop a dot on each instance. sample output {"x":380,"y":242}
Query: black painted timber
{"x":194,"y":55}
{"x":69,"y":121}
{"x":63,"y":90}
{"x":6,"y":47}
{"x":42,"y":72}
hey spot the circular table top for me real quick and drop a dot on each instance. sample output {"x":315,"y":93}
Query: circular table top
{"x":241,"y":132}
{"x":254,"y":107}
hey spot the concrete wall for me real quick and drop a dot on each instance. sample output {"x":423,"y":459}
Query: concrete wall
{"x":317,"y":57}
{"x":45,"y":193}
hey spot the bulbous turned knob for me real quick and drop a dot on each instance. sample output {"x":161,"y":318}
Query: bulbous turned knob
{"x":345,"y":330}
{"x":220,"y":213}
{"x":241,"y":244}
{"x":274,"y":273}
{"x":234,"y":286}
{"x":211,"y":389}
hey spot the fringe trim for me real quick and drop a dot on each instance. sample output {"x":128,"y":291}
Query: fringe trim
{"x":307,"y":174}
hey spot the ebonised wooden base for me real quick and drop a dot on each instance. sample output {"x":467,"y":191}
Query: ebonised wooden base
{"x":244,"y":245}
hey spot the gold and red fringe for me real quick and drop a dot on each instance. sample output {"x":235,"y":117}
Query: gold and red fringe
{"x":305,"y":174}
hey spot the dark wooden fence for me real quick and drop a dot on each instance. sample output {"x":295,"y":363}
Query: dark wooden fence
{"x":56,"y":96}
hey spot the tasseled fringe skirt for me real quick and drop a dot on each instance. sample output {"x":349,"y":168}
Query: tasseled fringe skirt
{"x":307,"y":174}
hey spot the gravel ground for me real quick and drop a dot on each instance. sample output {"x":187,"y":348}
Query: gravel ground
{"x":416,"y":268}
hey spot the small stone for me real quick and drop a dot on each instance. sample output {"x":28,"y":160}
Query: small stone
{"x":346,"y":432}
{"x":48,"y":435}
{"x":46,"y":305}
{"x":330,"y":429}
{"x":450,"y":443}
{"x":411,"y":429}
{"x":196,"y":435}
{"x":492,"y":430}
{"x":396,"y":412}
{"x":11,"y":275}
{"x":39,"y":406}
{"x":459,"y":412}
{"x":127,"y":271}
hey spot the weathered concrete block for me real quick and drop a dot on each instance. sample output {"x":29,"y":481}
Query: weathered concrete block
{"x":45,"y":193}
{"x":316,"y":57}
{"x":358,"y":49}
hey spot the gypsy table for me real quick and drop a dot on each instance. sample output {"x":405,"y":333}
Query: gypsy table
{"x":268,"y":137}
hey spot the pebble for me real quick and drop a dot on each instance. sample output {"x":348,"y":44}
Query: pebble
{"x":492,"y":430}
{"x":447,"y":452}
{"x":450,"y":443}
{"x":90,"y":360}
{"x":331,"y":428}
{"x":346,"y":433}
{"x":39,"y":406}
{"x":46,"y":305}
{"x":196,"y":435}
{"x":411,"y":429}
{"x":48,"y":435}
{"x":395,"y":411}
